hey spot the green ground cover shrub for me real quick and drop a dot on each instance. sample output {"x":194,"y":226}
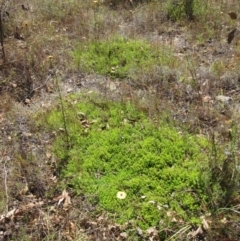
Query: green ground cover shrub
{"x":186,"y":9}
{"x":115,"y":147}
{"x":118,"y":57}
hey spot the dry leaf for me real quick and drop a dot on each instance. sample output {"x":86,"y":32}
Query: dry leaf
{"x":30,"y":205}
{"x":206,"y":99}
{"x":72,"y":227}
{"x":231,"y":36}
{"x":232,"y":15}
{"x":48,"y":155}
{"x":139,"y":231}
{"x":25,"y":8}
{"x":193,"y":234}
{"x":27,"y":134}
{"x":60,"y":201}
{"x":102,"y":217}
{"x":10,"y":213}
{"x":151,"y":231}
{"x":24,"y":190}
{"x":67,"y":199}
{"x":205,"y":223}
{"x":224,"y":220}
{"x":56,"y":199}
{"x":124,"y":235}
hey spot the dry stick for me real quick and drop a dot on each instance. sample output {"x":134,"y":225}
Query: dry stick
{"x":179,"y":232}
{"x":1,"y":37}
{"x":5,"y":184}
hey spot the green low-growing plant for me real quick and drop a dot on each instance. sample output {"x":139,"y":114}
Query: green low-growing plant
{"x":118,"y":57}
{"x":55,"y":10}
{"x":187,"y":9}
{"x":115,"y":147}
{"x":178,"y":9}
{"x":218,"y":68}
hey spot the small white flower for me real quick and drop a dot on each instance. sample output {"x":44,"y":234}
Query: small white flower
{"x":121,"y":195}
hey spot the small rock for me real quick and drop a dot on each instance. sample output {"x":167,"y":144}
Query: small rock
{"x":224,"y":99}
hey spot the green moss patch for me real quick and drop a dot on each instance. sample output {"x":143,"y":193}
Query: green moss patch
{"x":119,"y":57}
{"x":117,"y":148}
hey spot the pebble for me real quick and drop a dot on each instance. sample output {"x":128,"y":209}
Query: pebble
{"x":224,"y":99}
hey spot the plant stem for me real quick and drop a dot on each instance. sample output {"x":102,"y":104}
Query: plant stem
{"x":63,"y":114}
